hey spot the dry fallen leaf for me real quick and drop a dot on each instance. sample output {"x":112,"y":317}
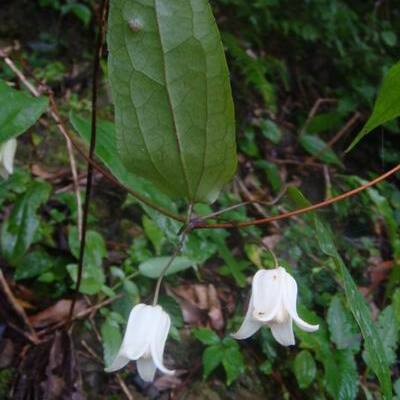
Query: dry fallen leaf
{"x":56,"y":313}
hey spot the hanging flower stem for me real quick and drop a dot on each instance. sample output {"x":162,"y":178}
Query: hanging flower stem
{"x":183,"y":234}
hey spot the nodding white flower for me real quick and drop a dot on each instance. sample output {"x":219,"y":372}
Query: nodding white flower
{"x":273,"y":303}
{"x":144,"y":341}
{"x":7,"y":153}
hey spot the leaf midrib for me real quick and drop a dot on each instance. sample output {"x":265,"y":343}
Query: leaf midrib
{"x":178,"y":140}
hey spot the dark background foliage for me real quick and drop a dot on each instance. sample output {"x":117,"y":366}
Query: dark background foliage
{"x":303,"y":73}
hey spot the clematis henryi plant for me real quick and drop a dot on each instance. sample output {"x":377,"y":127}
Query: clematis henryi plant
{"x":144,"y":341}
{"x":273,"y":303}
{"x":7,"y":153}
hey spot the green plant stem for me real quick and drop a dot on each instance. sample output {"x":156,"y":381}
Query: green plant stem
{"x":184,"y":232}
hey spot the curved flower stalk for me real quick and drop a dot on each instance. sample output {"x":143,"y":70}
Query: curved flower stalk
{"x":144,"y":341}
{"x":273,"y":303}
{"x":7,"y":153}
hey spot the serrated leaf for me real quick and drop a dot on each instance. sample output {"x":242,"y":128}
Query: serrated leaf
{"x":319,"y":149}
{"x":18,"y":111}
{"x":360,"y":311}
{"x":388,"y":329}
{"x":20,"y":227}
{"x":304,"y":369}
{"x":387,"y":104}
{"x":173,"y":103}
{"x":347,"y":376}
{"x":342,"y":326}
{"x":153,"y":267}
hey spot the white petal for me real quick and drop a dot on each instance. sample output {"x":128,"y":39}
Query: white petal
{"x":250,"y":325}
{"x":267,"y":292}
{"x":135,"y":342}
{"x":9,"y":149}
{"x":159,"y":338}
{"x":283,"y":332}
{"x":289,"y":299}
{"x":119,"y":362}
{"x":146,"y":368}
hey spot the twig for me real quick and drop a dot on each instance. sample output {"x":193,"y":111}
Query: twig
{"x":250,"y":197}
{"x":71,"y":156}
{"x":80,"y":315}
{"x":318,"y":103}
{"x":5,"y":288}
{"x":95,"y":83}
{"x":229,"y":225}
{"x":349,"y":124}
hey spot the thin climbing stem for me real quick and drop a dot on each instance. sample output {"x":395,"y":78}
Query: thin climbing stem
{"x":184,"y":232}
{"x":95,"y":84}
{"x":262,"y":221}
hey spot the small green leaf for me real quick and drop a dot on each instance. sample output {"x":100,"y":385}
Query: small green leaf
{"x":232,"y":360}
{"x":19,"y":229}
{"x":342,"y":326}
{"x":389,"y":37}
{"x":387,"y":104}
{"x":93,"y":278}
{"x":153,"y":267}
{"x":271,"y":131}
{"x":18,"y":111}
{"x":111,"y":339}
{"x":95,"y":249}
{"x":318,"y":148}
{"x":172,"y":307}
{"x":171,"y":91}
{"x":272,"y":174}
{"x":388,"y":329}
{"x":206,"y":336}
{"x":304,"y":369}
{"x":33,"y":264}
{"x":212,"y":357}
{"x":233,"y":265}
{"x":154,"y":233}
{"x":81,"y":11}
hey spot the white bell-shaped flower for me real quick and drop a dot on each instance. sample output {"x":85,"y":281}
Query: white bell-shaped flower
{"x":144,"y":341}
{"x":7,"y":153}
{"x":273,"y":303}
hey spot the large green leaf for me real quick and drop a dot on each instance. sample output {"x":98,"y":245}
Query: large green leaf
{"x":18,"y":111}
{"x":173,"y":104}
{"x":19,"y":229}
{"x":387,"y":105}
{"x":106,"y":150}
